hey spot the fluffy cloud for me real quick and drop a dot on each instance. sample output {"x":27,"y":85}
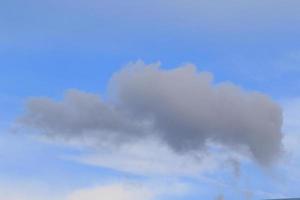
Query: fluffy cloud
{"x":181,"y":108}
{"x":80,"y":114}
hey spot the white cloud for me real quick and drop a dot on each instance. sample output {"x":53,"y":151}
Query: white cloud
{"x":108,"y":189}
{"x":292,"y":128}
{"x":125,"y":190}
{"x":289,"y":167}
{"x":113,"y":192}
{"x":152,"y":159}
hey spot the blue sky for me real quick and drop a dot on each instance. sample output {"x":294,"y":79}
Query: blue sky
{"x":49,"y":47}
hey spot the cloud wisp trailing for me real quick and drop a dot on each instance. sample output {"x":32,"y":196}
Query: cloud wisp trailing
{"x":181,"y":108}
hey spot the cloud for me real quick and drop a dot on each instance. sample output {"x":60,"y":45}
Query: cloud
{"x":141,"y":158}
{"x":121,"y":190}
{"x":187,"y":109}
{"x":112,"y":192}
{"x":80,"y":114}
{"x":220,"y":197}
{"x":124,"y":190}
{"x":236,"y":167}
{"x":290,"y":166}
{"x":181,"y":108}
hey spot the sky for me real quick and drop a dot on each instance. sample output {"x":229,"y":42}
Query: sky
{"x":149,"y":100}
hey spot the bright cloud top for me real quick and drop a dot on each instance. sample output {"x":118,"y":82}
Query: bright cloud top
{"x":182,"y":108}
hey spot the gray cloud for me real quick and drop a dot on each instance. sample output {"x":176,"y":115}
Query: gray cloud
{"x":80,"y":114}
{"x":236,"y":167}
{"x":181,"y":107}
{"x":220,"y":197}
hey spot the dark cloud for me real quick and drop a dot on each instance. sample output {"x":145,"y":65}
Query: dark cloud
{"x":181,"y":107}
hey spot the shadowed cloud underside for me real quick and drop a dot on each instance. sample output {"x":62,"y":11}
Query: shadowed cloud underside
{"x":181,"y":107}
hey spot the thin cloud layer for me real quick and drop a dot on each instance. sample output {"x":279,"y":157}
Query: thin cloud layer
{"x":181,"y":108}
{"x":112,"y":192}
